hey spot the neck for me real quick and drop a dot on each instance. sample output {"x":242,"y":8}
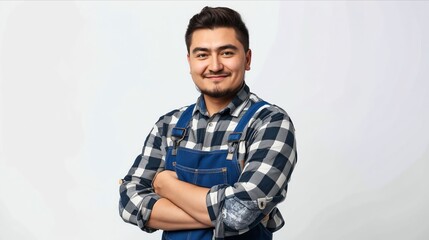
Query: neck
{"x":214,"y":105}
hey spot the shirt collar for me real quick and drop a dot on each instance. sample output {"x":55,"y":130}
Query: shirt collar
{"x":234,"y":107}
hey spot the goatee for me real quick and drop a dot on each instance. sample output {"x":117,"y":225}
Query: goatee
{"x":220,"y":93}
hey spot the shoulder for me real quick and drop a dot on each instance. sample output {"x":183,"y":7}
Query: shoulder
{"x":170,"y":118}
{"x":271,"y":113}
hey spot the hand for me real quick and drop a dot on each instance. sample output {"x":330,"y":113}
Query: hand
{"x":163,"y":179}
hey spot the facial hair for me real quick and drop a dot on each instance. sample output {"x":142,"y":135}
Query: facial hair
{"x":220,"y":93}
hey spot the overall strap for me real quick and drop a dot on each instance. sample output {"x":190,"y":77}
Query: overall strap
{"x":236,"y":135}
{"x":179,"y":131}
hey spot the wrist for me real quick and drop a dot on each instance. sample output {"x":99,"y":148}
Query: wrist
{"x":153,"y":180}
{"x":156,"y":182}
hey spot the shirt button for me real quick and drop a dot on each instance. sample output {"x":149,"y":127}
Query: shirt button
{"x":210,"y":124}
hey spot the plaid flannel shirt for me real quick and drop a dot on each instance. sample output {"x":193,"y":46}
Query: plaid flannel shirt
{"x":268,"y":153}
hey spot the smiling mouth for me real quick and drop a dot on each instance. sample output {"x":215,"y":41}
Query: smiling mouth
{"x":217,"y":76}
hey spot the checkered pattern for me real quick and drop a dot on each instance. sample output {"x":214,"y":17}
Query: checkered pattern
{"x":268,"y":153}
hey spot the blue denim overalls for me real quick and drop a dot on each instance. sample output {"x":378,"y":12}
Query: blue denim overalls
{"x":207,"y":169}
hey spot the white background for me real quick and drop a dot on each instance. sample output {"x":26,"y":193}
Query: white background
{"x":82,"y":83}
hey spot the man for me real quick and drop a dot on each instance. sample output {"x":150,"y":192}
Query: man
{"x":219,"y":167}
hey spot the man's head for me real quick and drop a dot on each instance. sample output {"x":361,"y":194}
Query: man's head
{"x":218,"y":52}
{"x":210,"y":18}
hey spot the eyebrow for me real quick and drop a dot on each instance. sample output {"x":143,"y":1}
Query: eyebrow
{"x":221,"y":48}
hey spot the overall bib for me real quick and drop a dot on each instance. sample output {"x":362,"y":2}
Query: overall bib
{"x":206,"y":169}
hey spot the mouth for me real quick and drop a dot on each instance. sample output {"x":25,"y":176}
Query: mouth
{"x":216,"y":77}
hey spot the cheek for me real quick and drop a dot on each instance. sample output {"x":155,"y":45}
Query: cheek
{"x":197,"y":67}
{"x":235,"y":65}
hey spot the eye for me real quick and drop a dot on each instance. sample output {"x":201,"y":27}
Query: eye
{"x":227,"y":53}
{"x":201,"y":55}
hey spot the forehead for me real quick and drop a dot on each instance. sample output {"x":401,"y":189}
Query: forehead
{"x":214,"y":38}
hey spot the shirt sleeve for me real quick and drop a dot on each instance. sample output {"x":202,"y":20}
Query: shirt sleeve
{"x":137,"y":197}
{"x":271,"y":158}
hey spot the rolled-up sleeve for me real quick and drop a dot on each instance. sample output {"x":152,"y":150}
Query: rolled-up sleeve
{"x":271,"y":158}
{"x":137,"y":197}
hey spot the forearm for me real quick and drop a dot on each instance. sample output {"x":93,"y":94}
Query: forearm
{"x":136,"y":202}
{"x":167,"y":216}
{"x":189,"y":197}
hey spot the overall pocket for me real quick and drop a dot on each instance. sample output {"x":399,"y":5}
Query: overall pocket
{"x":202,"y":177}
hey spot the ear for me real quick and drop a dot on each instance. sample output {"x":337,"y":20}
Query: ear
{"x":248,"y":59}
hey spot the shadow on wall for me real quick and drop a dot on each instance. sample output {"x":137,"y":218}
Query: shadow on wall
{"x":15,"y":230}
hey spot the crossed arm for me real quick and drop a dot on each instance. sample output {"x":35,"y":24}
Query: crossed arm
{"x":168,"y":203}
{"x":182,"y":205}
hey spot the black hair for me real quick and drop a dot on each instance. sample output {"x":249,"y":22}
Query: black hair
{"x":218,"y":17}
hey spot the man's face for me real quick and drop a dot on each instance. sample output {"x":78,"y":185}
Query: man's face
{"x":217,"y":62}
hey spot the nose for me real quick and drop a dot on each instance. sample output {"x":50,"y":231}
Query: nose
{"x":215,"y":64}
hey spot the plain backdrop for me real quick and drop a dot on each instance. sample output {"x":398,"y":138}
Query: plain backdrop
{"x":83,"y":82}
